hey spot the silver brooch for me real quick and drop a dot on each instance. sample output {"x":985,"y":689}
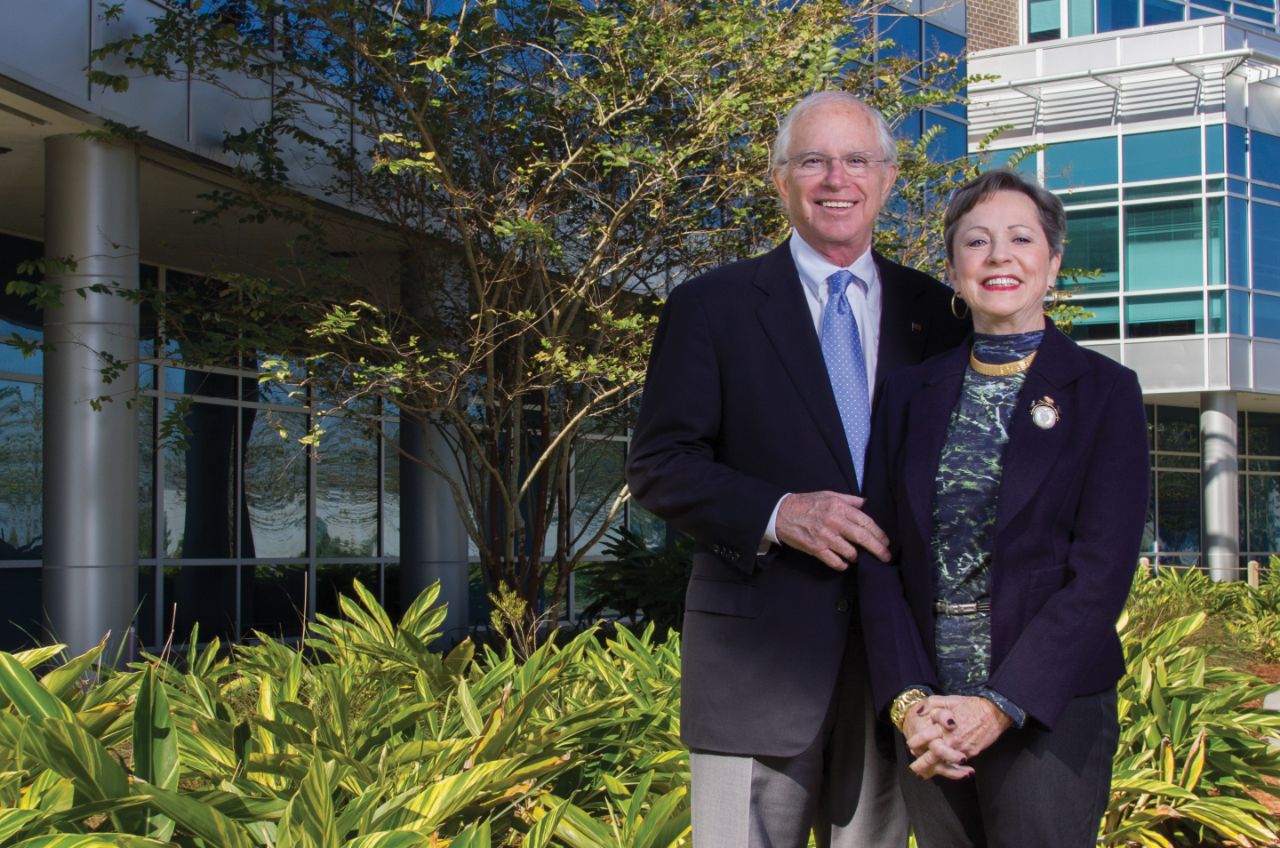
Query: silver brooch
{"x":1045,"y":413}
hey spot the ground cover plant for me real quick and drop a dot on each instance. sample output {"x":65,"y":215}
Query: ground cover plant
{"x":364,"y":737}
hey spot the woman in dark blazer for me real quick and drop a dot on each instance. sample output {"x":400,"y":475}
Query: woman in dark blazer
{"x":1011,"y":476}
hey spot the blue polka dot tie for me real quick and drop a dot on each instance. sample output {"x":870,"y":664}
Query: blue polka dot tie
{"x":842,"y":350}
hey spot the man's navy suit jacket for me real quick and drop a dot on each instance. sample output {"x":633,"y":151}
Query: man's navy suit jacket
{"x":1069,"y":518}
{"x":738,"y":411}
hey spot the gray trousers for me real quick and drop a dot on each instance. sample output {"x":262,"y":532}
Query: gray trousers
{"x":1032,"y":787}
{"x":842,"y":787}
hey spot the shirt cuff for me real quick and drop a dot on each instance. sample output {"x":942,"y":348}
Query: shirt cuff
{"x":1006,"y":706}
{"x":771,"y":529}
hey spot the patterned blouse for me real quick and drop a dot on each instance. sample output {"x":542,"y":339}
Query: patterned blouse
{"x":964,"y":515}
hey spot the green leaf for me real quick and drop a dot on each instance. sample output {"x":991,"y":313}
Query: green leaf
{"x":28,"y":697}
{"x":390,"y":839}
{"x":62,"y":680}
{"x":202,"y":820}
{"x":155,"y":747}
{"x":97,"y":840}
{"x":13,"y":822}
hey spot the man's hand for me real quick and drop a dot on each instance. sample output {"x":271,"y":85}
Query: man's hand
{"x":829,"y":526}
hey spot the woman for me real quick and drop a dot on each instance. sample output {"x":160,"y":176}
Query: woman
{"x":1011,"y":476}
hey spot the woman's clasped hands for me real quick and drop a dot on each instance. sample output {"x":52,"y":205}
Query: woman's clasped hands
{"x":945,"y":732}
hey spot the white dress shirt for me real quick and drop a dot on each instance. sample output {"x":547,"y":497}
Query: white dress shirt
{"x":864,"y":300}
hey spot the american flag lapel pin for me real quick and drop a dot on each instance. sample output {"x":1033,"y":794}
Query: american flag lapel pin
{"x":917,"y":327}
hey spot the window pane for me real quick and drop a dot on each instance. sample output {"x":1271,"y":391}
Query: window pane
{"x":20,"y":605}
{"x":1236,"y":151}
{"x":646,"y":525}
{"x":1238,"y":312}
{"x":273,"y":599}
{"x":1101,"y":322}
{"x":1178,"y":429}
{"x":347,"y":490}
{"x":1162,"y":245}
{"x":1162,"y":155}
{"x":1044,"y":20}
{"x":199,"y":482}
{"x":391,"y":490}
{"x":1178,"y":512}
{"x":597,"y":478}
{"x":1079,"y":17}
{"x":1266,"y":247}
{"x":1237,"y":242}
{"x":938,"y":41}
{"x":1214,"y":161}
{"x":275,"y":485}
{"x":146,"y":478}
{"x":1117,"y":14}
{"x":904,"y":32}
{"x":1160,"y":12}
{"x":1146,"y":192}
{"x":1164,"y":315}
{"x":1080,"y":163}
{"x":1216,"y":252}
{"x":21,"y":469}
{"x":1264,"y":156}
{"x":1264,"y":512}
{"x":1217,"y":312}
{"x":1266,"y":316}
{"x":1093,"y":244}
{"x":951,"y":142}
{"x":1253,"y":14}
{"x":146,"y":619}
{"x":17,"y":316}
{"x":201,"y":594}
{"x":1262,"y":434}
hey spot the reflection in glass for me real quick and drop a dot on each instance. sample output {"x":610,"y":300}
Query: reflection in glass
{"x":1162,"y":155}
{"x":21,"y":469}
{"x":273,"y":599}
{"x":391,"y":490}
{"x":347,"y":490}
{"x":1238,"y":312}
{"x":1266,"y":316}
{"x":1164,"y":315}
{"x":1093,"y":244}
{"x":1044,"y":20}
{"x":1266,"y":247}
{"x":275,"y":485}
{"x":1163,"y":245}
{"x":1264,"y":512}
{"x":146,"y":619}
{"x":146,"y":478}
{"x":1101,"y":321}
{"x":597,"y":478}
{"x":1178,"y":521}
{"x":199,"y":484}
{"x":1080,"y":163}
{"x":1178,"y":429}
{"x":1217,"y":312}
{"x":649,"y":527}
{"x":1262,"y":434}
{"x":200,"y":594}
{"x":1237,"y":242}
{"x":1214,"y":147}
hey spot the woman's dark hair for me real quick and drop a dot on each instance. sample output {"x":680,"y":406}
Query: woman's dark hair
{"x":1052,"y":219}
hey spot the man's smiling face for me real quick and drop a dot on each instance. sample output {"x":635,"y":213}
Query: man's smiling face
{"x":834,"y":211}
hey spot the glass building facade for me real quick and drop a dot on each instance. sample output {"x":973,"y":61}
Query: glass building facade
{"x":1053,"y":19}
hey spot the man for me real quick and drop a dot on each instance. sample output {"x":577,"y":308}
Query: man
{"x":750,"y":439}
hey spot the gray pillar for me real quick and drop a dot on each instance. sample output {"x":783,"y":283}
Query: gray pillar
{"x":433,"y":540}
{"x":90,"y":573}
{"x":1220,"y":472}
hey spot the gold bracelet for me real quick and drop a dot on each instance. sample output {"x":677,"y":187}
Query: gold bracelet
{"x":904,"y":702}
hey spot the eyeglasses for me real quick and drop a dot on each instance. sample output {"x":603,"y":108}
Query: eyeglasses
{"x":815,"y":164}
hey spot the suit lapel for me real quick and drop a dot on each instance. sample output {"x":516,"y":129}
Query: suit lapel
{"x":788,"y":323}
{"x":1033,"y":450}
{"x":929,"y":415}
{"x":902,"y":331}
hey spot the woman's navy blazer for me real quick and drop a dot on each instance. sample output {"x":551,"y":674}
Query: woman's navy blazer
{"x":1070,"y":513}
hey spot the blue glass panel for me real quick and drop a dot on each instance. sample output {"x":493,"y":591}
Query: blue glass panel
{"x":1266,"y":316}
{"x":1253,"y":14}
{"x":1266,"y":247}
{"x":12,"y":359}
{"x":904,"y":32}
{"x":1214,"y":150}
{"x":1117,"y":14}
{"x":1161,"y":155}
{"x":950,"y":143}
{"x":1044,"y":20}
{"x":909,"y":128}
{"x":274,"y":485}
{"x":1164,"y":315}
{"x":1216,"y":5}
{"x":1196,"y":14}
{"x":1239,"y":187}
{"x":1080,"y":163}
{"x":1216,"y":243}
{"x":1217,"y":312}
{"x":1262,"y":192}
{"x":1160,"y":12}
{"x":1163,"y":245}
{"x":1237,"y":242}
{"x":1093,"y":244}
{"x":1079,"y":17}
{"x":940,"y":41}
{"x":1238,"y":312}
{"x":1236,"y":151}
{"x":1264,"y":156}
{"x":1101,"y":321}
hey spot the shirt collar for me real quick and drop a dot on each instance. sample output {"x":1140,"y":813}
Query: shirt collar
{"x":814,"y":268}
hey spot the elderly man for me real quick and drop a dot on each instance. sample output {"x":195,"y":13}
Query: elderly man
{"x":751,"y":439}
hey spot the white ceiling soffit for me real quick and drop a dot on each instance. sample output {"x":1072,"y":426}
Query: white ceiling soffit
{"x":1106,"y":95}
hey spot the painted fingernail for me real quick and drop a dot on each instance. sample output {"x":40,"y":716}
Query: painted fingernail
{"x":920,"y":710}
{"x":951,"y":722}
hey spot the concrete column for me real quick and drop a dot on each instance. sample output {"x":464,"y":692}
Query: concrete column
{"x":1220,"y":472}
{"x":90,"y":575}
{"x":433,"y":540}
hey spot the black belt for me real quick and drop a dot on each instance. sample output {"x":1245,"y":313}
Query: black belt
{"x":974,"y":608}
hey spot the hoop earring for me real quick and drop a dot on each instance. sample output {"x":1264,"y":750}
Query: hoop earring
{"x":960,"y":316}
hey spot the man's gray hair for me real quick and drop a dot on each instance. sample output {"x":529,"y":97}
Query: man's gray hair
{"x":782,"y":144}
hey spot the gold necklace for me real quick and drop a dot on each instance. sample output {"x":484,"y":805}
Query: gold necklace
{"x":1006,"y":369}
